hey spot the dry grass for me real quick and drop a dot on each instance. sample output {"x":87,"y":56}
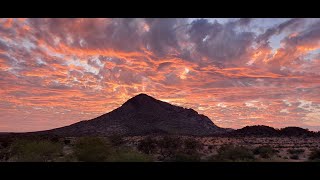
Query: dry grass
{"x":284,"y":146}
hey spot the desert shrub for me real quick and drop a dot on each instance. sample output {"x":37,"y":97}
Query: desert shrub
{"x":169,"y":146}
{"x":4,"y":154}
{"x":280,"y":146}
{"x":182,"y":157}
{"x":315,"y":155}
{"x":54,"y":139}
{"x":295,"y":156}
{"x":192,"y":146}
{"x":147,"y":145}
{"x":233,"y":153}
{"x":5,"y":143}
{"x":129,"y":155}
{"x":264,"y":151}
{"x":33,"y":137}
{"x":68,"y":158}
{"x":38,"y":151}
{"x":295,"y":151}
{"x":116,"y":140}
{"x":92,"y":149}
{"x":66,"y":141}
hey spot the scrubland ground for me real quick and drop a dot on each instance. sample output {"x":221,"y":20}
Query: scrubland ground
{"x":285,"y":149}
{"x":160,"y":148}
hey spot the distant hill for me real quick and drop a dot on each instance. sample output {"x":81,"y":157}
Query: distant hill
{"x":266,"y":131}
{"x":296,"y":131}
{"x":143,"y":115}
{"x":258,"y":130}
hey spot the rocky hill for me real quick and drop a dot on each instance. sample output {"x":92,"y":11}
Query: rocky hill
{"x":143,"y":115}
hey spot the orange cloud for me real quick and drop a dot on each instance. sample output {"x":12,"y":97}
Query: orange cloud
{"x":60,"y":81}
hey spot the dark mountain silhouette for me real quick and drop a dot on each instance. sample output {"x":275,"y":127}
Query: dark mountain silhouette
{"x":143,"y":115}
{"x":296,"y":131}
{"x":258,"y":130}
{"x":266,"y":131}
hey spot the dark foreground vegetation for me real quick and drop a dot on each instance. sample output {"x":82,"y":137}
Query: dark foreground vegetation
{"x":143,"y":149}
{"x":55,"y":149}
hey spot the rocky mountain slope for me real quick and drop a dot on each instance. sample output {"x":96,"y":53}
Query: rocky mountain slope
{"x":143,"y":115}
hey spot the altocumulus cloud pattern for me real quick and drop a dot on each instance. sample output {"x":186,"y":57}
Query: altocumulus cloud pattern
{"x":238,"y":72}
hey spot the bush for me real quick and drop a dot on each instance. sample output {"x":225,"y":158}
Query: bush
{"x":39,"y":151}
{"x":233,"y":153}
{"x":181,"y":157}
{"x":92,"y":149}
{"x":68,"y":158}
{"x":169,"y":147}
{"x":192,"y":146}
{"x":294,"y":156}
{"x":172,"y":148}
{"x":54,"y":139}
{"x":4,"y":154}
{"x":129,"y":155}
{"x":147,"y":145}
{"x":315,"y":155}
{"x":296,"y":151}
{"x":265,"y":151}
{"x":5,"y":144}
{"x":116,"y":140}
{"x":66,"y":141}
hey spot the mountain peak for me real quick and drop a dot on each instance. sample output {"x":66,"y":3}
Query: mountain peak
{"x":141,"y":99}
{"x":142,"y":95}
{"x":143,"y":114}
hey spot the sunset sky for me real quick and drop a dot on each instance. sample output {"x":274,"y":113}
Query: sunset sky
{"x":238,"y":72}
